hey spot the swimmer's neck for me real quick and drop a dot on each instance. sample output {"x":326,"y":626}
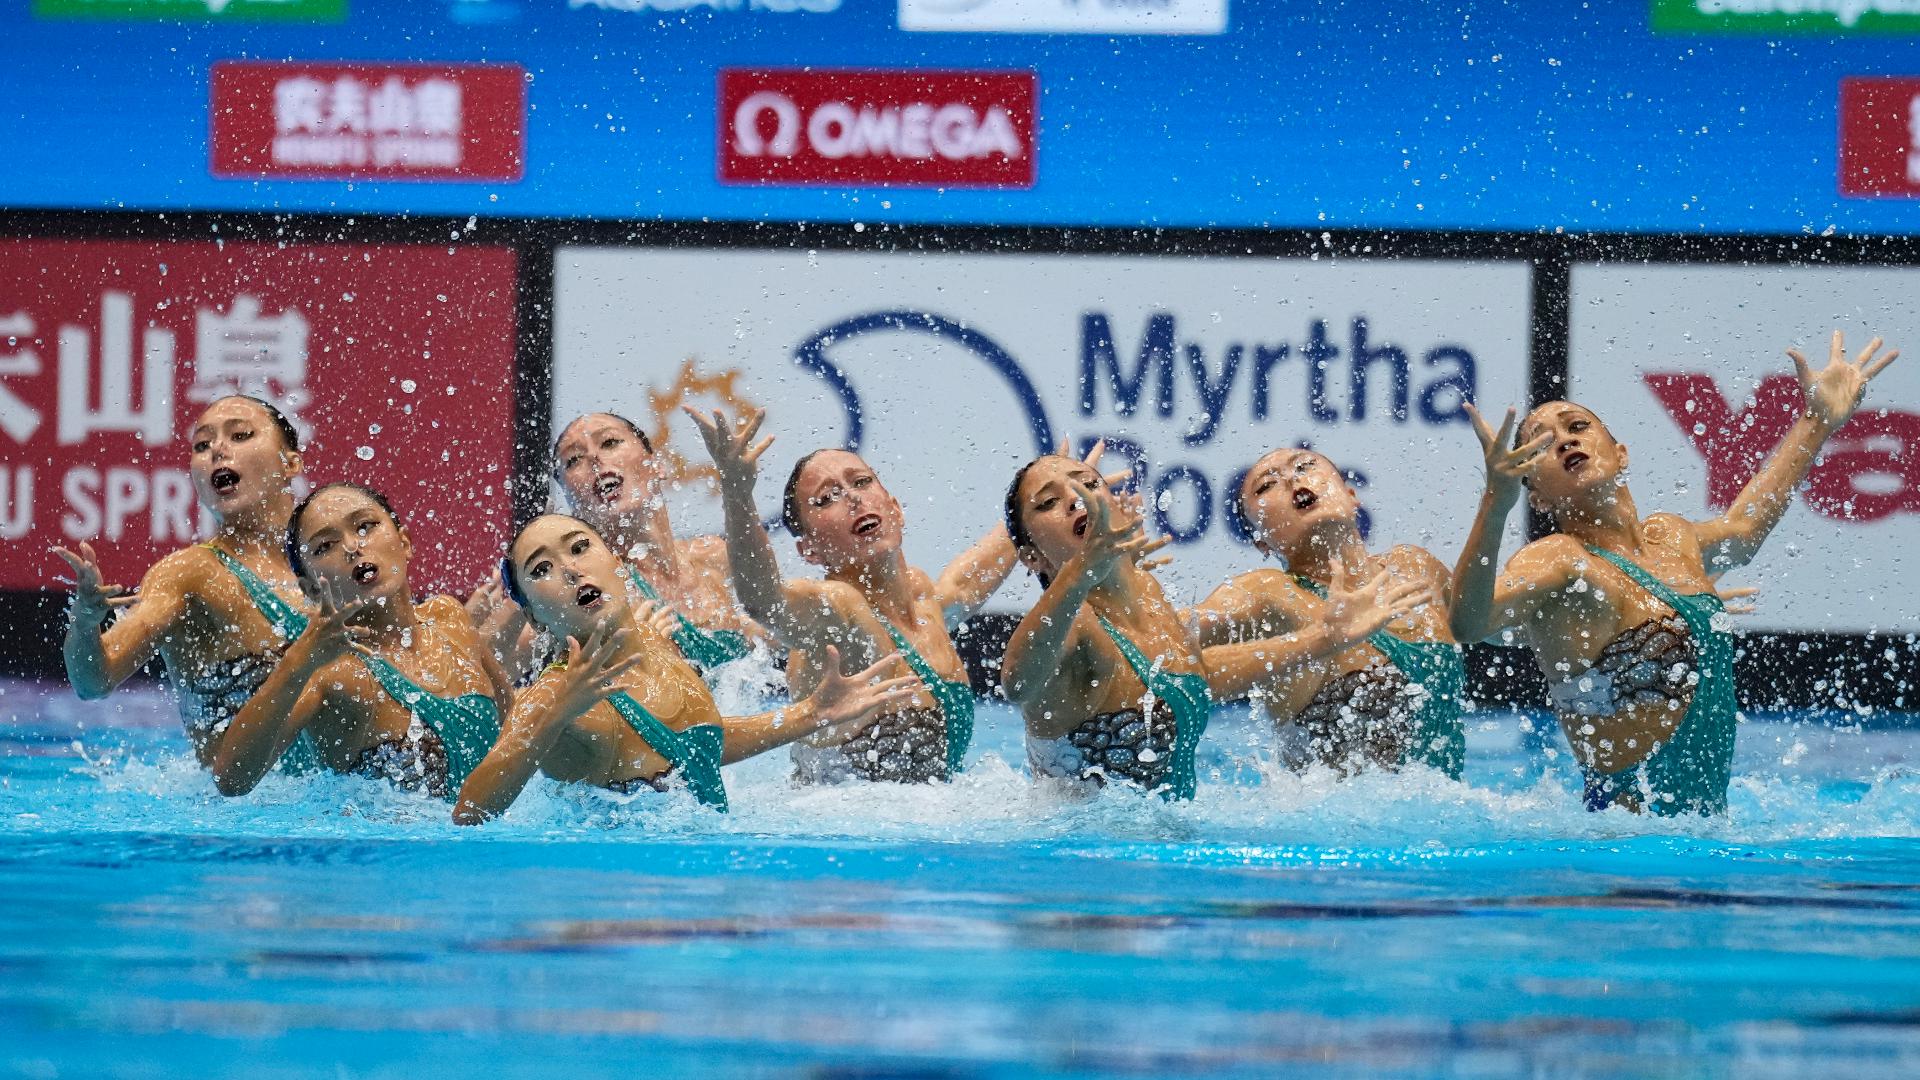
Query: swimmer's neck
{"x":260,"y":529}
{"x":885,"y":581}
{"x":1610,"y":522}
{"x":647,"y":542}
{"x":1314,"y":558}
{"x":393,"y":625}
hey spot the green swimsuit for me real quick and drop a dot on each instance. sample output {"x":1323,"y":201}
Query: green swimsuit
{"x":1192,"y":703}
{"x":1688,"y":773}
{"x":955,"y":698}
{"x":203,"y":699}
{"x":694,"y":753}
{"x":705,"y":649}
{"x":467,"y":725}
{"x":1439,"y":738}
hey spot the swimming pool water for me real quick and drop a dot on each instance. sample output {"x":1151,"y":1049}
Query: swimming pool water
{"x":1395,"y":925}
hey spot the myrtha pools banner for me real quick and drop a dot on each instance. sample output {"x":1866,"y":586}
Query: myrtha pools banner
{"x":950,"y":371}
{"x":395,"y":362}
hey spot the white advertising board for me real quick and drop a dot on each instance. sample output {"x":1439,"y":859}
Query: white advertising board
{"x":950,"y":371}
{"x":1687,"y":366}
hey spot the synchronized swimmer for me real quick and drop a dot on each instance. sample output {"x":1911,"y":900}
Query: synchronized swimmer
{"x":292,"y":640}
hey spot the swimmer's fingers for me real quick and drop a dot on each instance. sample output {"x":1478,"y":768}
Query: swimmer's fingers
{"x":871,"y":671}
{"x":1154,"y":545}
{"x":1405,"y":598}
{"x":749,"y":426}
{"x":1481,"y":429}
{"x":125,"y":600}
{"x":1730,"y":595}
{"x":1525,"y":458}
{"x":1875,"y":367}
{"x":752,"y":457}
{"x":1092,"y":457}
{"x":1116,"y":481}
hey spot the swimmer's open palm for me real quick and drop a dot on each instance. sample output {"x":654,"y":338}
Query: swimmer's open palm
{"x":657,"y":617}
{"x":852,"y":701}
{"x":91,"y":596}
{"x":1507,"y":466}
{"x":593,"y":669}
{"x":330,"y":633}
{"x":1355,"y":612}
{"x":1114,"y":533}
{"x":736,"y":456}
{"x":1835,"y":391}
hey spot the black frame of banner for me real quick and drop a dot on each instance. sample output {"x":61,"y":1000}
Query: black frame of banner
{"x":1776,"y":670}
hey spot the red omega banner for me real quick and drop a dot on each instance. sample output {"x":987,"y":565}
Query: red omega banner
{"x":878,"y":128}
{"x":386,"y":121}
{"x":394,"y":362}
{"x":1880,"y":137}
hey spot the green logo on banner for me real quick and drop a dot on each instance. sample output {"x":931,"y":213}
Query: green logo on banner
{"x":1787,"y":16}
{"x":316,"y":11}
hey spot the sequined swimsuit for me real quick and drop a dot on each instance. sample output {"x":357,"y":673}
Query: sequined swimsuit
{"x":209,"y":698}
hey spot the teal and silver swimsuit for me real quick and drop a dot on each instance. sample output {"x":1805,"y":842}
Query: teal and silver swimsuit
{"x":459,"y":732}
{"x":704,"y":649}
{"x":210,"y":699}
{"x":1135,"y":745}
{"x":694,"y":753}
{"x":907,"y":746}
{"x":1431,"y":732}
{"x":1684,"y":660}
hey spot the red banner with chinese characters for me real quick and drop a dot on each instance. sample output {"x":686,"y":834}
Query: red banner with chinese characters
{"x":879,"y":128}
{"x":395,"y":361}
{"x":1880,"y":137}
{"x":387,"y":121}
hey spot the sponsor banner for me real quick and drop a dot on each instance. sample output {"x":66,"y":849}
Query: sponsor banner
{"x":1067,"y":16}
{"x":385,"y":121}
{"x":1686,"y":365}
{"x":312,"y":11}
{"x":395,"y":362}
{"x":1793,"y":16}
{"x":880,"y":128}
{"x":1880,"y":137}
{"x":950,"y":371}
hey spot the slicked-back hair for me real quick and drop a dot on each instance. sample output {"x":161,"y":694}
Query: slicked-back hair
{"x":295,"y":557}
{"x":790,"y":496}
{"x":289,"y":437}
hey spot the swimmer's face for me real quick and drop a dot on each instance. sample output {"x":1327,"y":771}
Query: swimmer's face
{"x":1290,"y":493}
{"x":348,"y":541}
{"x":572,"y":580}
{"x":846,"y":515}
{"x":239,"y":458}
{"x":605,"y":470}
{"x":1053,"y":511}
{"x":1583,"y":458}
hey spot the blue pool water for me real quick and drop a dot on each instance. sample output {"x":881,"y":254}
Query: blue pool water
{"x":1387,"y":925}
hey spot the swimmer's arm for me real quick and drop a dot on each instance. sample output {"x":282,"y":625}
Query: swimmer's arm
{"x":267,"y":724}
{"x":975,"y":574}
{"x":1237,"y":610}
{"x":1038,"y":649}
{"x":100,"y":659}
{"x":840,"y":701}
{"x":1474,"y":575}
{"x":1234,"y":670}
{"x":1731,"y":540}
{"x":533,"y":727}
{"x":1536,"y":573}
{"x":758,"y":733}
{"x":768,"y":599}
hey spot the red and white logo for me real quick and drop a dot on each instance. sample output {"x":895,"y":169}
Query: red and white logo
{"x":426,"y":122}
{"x":1880,"y":137}
{"x":886,"y":128}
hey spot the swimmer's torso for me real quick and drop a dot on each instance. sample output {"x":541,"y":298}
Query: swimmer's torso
{"x":1604,"y":621}
{"x":601,"y":747}
{"x":703,"y":592}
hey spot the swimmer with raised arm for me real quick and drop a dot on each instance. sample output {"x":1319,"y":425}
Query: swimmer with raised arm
{"x":1622,"y":612}
{"x":624,"y":710}
{"x":870,"y":602}
{"x":606,"y":467}
{"x":217,"y":613}
{"x":1113,"y":683}
{"x":384,"y":687}
{"x":1357,"y":694}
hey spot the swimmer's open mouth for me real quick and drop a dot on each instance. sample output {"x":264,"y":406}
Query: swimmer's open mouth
{"x":1573,"y":461}
{"x":607,"y":487}
{"x":1304,"y":498}
{"x":866,"y":525}
{"x":588,"y":596}
{"x":365,"y":573}
{"x":224,"y":480}
{"x":1080,"y":525}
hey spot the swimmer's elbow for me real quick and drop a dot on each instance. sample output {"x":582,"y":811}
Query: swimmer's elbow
{"x":232,"y":783}
{"x":466,"y":813}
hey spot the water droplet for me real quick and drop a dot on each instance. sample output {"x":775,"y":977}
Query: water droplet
{"x":364,"y":453}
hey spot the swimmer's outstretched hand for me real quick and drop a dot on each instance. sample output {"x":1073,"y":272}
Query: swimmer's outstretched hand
{"x":1114,"y":533}
{"x":330,"y":634}
{"x":91,"y":597}
{"x":1353,"y":613}
{"x":1835,"y":391}
{"x":736,"y":457}
{"x":1507,"y":466}
{"x":656,"y":616}
{"x":853,"y":700}
{"x":487,"y":599}
{"x":593,"y":669}
{"x":1738,"y":592}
